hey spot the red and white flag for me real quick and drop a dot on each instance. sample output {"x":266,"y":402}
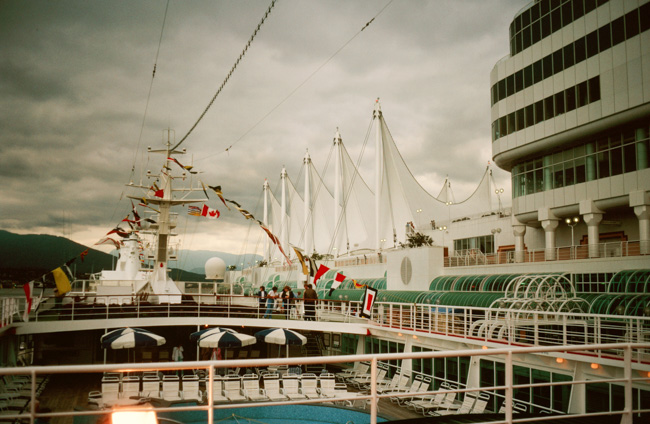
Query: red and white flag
{"x":368,"y":300}
{"x":337,"y":282}
{"x":204,"y":211}
{"x":29,"y":290}
{"x":322,"y":269}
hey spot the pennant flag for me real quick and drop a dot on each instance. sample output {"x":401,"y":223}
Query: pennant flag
{"x":108,"y":240}
{"x":358,"y":285}
{"x":203,"y":211}
{"x":187,"y":168}
{"x":29,"y":289}
{"x":301,"y":258}
{"x":217,"y":189}
{"x":275,"y":240}
{"x":321,"y":271}
{"x":368,"y":300}
{"x":136,"y":216}
{"x":70,"y":261}
{"x":62,"y":281}
{"x":159,"y":193}
{"x":312,"y":266}
{"x":83,"y":255}
{"x":337,"y":282}
{"x":204,"y":191}
{"x":119,"y":231}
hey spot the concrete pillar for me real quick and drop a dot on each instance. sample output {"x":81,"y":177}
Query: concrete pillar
{"x":549,"y":223}
{"x":592,"y":217}
{"x":641,"y":149}
{"x":548,"y":172}
{"x":640,"y":201}
{"x":590,"y":162}
{"x":519,"y":231}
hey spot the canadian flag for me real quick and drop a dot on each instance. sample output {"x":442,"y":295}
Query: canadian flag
{"x":209,"y":212}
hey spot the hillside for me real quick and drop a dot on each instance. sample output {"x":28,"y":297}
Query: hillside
{"x":26,"y":257}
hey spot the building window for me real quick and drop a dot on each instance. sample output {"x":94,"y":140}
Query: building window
{"x":627,"y":150}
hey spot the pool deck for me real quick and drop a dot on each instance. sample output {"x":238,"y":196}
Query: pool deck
{"x":67,"y":392}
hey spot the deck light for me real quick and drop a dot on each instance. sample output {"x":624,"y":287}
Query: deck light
{"x":559,"y":360}
{"x":399,"y":334}
{"x":134,"y":417}
{"x":414,"y":336}
{"x":484,"y":347}
{"x":595,"y":366}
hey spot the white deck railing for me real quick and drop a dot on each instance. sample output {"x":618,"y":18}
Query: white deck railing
{"x":633,"y":375}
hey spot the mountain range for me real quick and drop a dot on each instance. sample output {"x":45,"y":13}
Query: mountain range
{"x":26,"y":257}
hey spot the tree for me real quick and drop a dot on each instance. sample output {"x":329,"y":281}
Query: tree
{"x":417,"y":240}
{"x":232,"y":267}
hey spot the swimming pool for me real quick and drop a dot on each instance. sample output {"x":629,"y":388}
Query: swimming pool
{"x":275,"y":414}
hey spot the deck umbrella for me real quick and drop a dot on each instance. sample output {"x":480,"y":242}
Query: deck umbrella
{"x":226,"y":339}
{"x":128,"y":338}
{"x":207,"y":331}
{"x":281,"y":336}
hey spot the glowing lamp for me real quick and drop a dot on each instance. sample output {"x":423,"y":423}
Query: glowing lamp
{"x":559,"y":360}
{"x":134,"y":417}
{"x":484,"y":347}
{"x":594,"y":366}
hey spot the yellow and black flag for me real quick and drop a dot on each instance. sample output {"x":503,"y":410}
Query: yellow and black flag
{"x":301,"y":258}
{"x":62,"y":281}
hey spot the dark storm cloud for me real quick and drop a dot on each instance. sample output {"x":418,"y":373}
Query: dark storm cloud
{"x":75,"y":86}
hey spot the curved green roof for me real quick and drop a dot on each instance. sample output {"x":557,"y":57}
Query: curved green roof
{"x":630,"y":281}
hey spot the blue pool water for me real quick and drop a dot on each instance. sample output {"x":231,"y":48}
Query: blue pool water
{"x":307,"y":414}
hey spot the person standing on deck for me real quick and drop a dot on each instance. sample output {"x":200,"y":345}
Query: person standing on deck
{"x":270,"y":302}
{"x":310,"y":297}
{"x":287,"y":301}
{"x":261,"y":297}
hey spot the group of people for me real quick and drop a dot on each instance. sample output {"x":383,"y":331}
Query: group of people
{"x":267,"y":301}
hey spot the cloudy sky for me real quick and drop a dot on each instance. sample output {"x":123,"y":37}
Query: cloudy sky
{"x":76,"y":114}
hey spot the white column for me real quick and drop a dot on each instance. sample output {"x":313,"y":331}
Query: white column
{"x":549,"y":223}
{"x":378,"y":174}
{"x":309,"y":221}
{"x":640,"y":201}
{"x":519,"y":231}
{"x":592,"y":217}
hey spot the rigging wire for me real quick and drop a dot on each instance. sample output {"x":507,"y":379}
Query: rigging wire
{"x":232,"y":70}
{"x":292,"y":92}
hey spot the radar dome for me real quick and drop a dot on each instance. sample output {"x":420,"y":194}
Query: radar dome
{"x":215,"y":269}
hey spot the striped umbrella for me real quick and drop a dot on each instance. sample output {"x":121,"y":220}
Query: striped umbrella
{"x":207,"y":331}
{"x":226,"y":339}
{"x":280,"y":336}
{"x":126,"y":338}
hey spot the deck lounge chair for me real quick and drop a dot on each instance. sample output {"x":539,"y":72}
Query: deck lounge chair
{"x":251,"y":388}
{"x":516,"y":408}
{"x":425,"y":403}
{"x":364,"y":380}
{"x":350,"y":372}
{"x":150,"y":386}
{"x":290,"y":387}
{"x":190,"y":389}
{"x":309,"y":385}
{"x":232,"y":388}
{"x":217,"y":389}
{"x":413,"y":388}
{"x":272,"y":387}
{"x":481,"y":403}
{"x":130,"y":387}
{"x":464,"y":408}
{"x":171,"y":390}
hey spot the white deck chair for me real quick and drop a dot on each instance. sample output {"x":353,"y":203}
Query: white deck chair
{"x":464,"y":408}
{"x":413,"y":388}
{"x":516,"y":408}
{"x":363,"y":381}
{"x":232,"y":388}
{"x":130,"y":387}
{"x":428,"y":402}
{"x":363,"y":370}
{"x":272,"y":387}
{"x":217,"y":389}
{"x":290,"y":387}
{"x":309,"y":385}
{"x":251,"y":388}
{"x":150,"y":386}
{"x":171,"y":389}
{"x":425,"y":383}
{"x":358,"y":369}
{"x":190,"y":389}
{"x":481,"y":403}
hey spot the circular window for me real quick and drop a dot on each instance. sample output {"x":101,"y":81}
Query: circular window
{"x":406,"y":270}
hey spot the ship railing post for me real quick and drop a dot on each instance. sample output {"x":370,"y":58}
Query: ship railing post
{"x":373,"y":391}
{"x":32,"y":404}
{"x":72,"y":310}
{"x":210,"y":394}
{"x":137,"y":308}
{"x":169,"y":308}
{"x":627,"y":416}
{"x":508,"y":401}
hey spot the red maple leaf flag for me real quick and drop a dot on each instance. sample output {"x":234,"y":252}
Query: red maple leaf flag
{"x":209,"y":212}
